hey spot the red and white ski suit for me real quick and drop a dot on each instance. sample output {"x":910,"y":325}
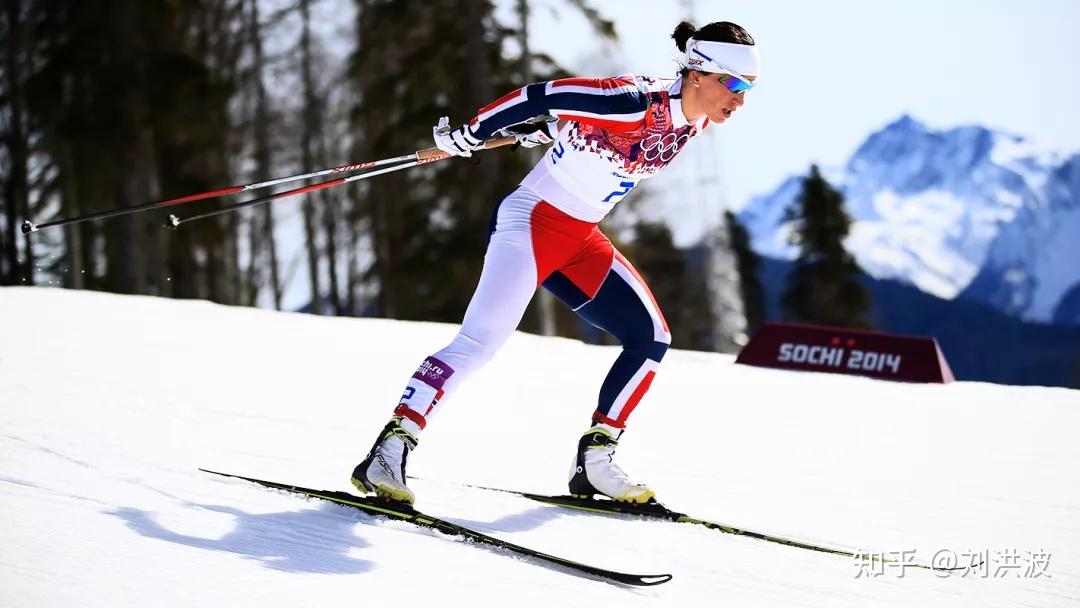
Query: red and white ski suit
{"x":618,"y":132}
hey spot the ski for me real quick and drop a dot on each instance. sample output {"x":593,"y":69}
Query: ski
{"x":655,"y":510}
{"x":403,"y":512}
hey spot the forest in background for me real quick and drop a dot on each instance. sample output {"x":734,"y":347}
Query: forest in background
{"x":113,"y":104}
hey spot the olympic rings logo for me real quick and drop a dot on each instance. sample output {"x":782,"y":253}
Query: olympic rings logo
{"x":663,"y":147}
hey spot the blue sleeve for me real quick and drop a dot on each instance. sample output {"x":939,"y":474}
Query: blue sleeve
{"x":612,"y":103}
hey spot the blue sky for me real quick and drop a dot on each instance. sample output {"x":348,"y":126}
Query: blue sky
{"x":836,"y":70}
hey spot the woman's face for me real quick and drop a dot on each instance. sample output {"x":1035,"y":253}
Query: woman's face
{"x":714,"y":98}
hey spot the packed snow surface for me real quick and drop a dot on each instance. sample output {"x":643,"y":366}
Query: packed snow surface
{"x":109,"y":404}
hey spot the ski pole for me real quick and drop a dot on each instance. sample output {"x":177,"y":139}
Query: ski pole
{"x":418,"y":158}
{"x":28,"y":226}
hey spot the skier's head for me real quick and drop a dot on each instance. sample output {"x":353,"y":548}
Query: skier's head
{"x":720,"y":65}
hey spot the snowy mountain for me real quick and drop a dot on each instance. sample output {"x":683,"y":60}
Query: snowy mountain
{"x":964,"y":212}
{"x":109,"y":404}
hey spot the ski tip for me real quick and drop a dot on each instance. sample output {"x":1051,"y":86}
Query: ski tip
{"x":229,"y":475}
{"x":656,"y":579}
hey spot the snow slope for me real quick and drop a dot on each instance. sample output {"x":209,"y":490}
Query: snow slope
{"x":108,"y":404}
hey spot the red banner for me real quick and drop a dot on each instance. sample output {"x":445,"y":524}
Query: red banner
{"x":847,"y":351}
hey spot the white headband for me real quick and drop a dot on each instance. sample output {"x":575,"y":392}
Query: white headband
{"x":709,"y":56}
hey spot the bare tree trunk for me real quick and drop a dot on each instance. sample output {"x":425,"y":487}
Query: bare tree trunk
{"x":226,"y":57}
{"x":352,"y":264}
{"x":16,"y":187}
{"x":88,"y":234}
{"x":237,"y":285}
{"x":330,"y":221}
{"x":315,"y":125}
{"x":381,"y":225}
{"x":311,"y":125}
{"x":480,"y":92}
{"x":73,"y":249}
{"x":263,"y":159}
{"x":127,"y":272}
{"x":9,"y":251}
{"x":331,"y":202}
{"x":268,"y":239}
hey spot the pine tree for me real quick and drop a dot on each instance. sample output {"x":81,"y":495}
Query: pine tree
{"x":823,"y":288}
{"x":130,"y":103}
{"x":416,"y":62}
{"x":747,"y":262}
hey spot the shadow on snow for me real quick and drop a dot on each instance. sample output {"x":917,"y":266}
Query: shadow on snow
{"x":307,"y":541}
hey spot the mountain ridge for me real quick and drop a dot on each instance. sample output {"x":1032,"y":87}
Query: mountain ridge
{"x":966,"y":212}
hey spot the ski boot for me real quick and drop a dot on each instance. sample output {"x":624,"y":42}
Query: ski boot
{"x":593,"y":471}
{"x":383,"y":471}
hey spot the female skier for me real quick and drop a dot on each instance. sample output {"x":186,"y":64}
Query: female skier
{"x":609,"y":134}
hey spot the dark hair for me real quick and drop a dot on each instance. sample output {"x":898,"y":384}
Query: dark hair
{"x":718,"y":31}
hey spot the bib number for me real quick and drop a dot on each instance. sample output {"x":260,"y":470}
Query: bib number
{"x":626,"y":188}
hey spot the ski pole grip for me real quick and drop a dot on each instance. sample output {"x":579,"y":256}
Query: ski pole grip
{"x":498,"y":142}
{"x":432,"y":154}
